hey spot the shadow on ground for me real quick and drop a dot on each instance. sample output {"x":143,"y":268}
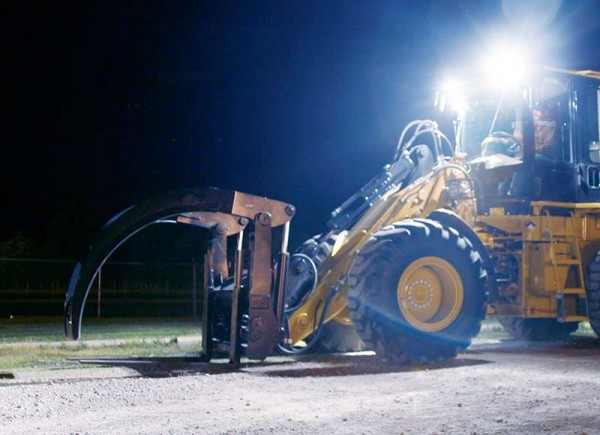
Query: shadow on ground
{"x":347,"y":364}
{"x":314,"y":365}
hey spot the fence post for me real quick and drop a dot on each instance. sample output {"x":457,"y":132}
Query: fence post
{"x":194,"y":288}
{"x":99,"y":290}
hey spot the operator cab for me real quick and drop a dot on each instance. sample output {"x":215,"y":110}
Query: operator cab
{"x":534,"y":142}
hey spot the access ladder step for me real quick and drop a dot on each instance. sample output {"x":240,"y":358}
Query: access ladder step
{"x":560,"y":238}
{"x":574,"y":319}
{"x":572,"y":291}
{"x":565,"y":262}
{"x":576,"y":313}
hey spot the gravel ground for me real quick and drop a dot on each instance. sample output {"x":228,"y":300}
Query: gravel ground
{"x":491,"y":388}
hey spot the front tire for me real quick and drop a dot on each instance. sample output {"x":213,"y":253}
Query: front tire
{"x":417,"y":292}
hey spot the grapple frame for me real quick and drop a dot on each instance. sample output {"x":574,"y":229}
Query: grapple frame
{"x":223,"y":213}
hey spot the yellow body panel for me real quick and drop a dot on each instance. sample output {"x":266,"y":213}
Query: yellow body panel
{"x":549,"y":255}
{"x":417,"y":200}
{"x":544,"y":255}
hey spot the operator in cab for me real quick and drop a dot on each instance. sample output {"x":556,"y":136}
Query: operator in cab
{"x":547,"y":141}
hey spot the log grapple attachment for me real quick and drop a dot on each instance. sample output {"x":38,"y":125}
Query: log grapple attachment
{"x":242,"y":304}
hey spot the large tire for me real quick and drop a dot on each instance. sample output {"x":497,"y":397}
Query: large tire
{"x":537,"y":329}
{"x":417,"y":292}
{"x":335,"y":336}
{"x":592,"y":289}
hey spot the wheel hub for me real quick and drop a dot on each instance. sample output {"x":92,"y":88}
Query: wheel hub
{"x":420,"y":293}
{"x":430,"y":294}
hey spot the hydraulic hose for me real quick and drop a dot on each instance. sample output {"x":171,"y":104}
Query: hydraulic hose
{"x":422,"y":127}
{"x":290,"y":350}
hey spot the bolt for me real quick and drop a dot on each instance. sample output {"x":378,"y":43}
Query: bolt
{"x":303,"y":320}
{"x":221,"y":228}
{"x":290,"y":210}
{"x":264,"y":218}
{"x":243,"y":221}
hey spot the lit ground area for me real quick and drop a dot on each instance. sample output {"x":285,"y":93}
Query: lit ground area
{"x":496,"y":386}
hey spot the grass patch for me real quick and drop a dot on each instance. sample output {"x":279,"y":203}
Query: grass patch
{"x":44,"y":329}
{"x":492,"y":329}
{"x":585,"y":329}
{"x":47,"y":358}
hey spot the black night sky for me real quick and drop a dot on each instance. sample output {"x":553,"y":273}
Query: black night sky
{"x":107,"y":103}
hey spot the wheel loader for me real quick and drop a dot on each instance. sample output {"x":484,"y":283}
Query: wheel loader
{"x":486,"y":222}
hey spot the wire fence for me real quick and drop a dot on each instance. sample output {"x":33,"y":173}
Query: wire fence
{"x":37,"y":287}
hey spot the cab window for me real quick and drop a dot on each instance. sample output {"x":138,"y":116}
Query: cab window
{"x":551,"y":120}
{"x":591,"y":125}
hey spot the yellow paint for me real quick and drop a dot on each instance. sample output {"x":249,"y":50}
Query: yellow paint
{"x":549,"y":253}
{"x":430,"y":294}
{"x":419,"y":199}
{"x":552,"y":253}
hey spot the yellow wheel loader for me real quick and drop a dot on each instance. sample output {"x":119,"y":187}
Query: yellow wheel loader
{"x":503,"y":220}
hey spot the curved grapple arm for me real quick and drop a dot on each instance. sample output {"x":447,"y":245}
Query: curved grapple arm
{"x":222,"y":211}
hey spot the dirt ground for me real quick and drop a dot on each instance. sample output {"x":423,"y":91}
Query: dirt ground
{"x":493,"y":387}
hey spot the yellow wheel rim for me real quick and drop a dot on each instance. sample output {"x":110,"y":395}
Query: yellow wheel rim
{"x":430,"y":294}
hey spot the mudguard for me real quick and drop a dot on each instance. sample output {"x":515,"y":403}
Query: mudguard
{"x":451,"y":219}
{"x":201,"y":207}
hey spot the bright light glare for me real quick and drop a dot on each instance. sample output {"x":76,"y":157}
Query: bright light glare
{"x":455,"y":94}
{"x":506,"y":66}
{"x":531,"y":16}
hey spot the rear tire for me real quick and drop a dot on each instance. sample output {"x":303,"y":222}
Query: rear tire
{"x":417,"y":292}
{"x":592,"y":289}
{"x":537,"y":329}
